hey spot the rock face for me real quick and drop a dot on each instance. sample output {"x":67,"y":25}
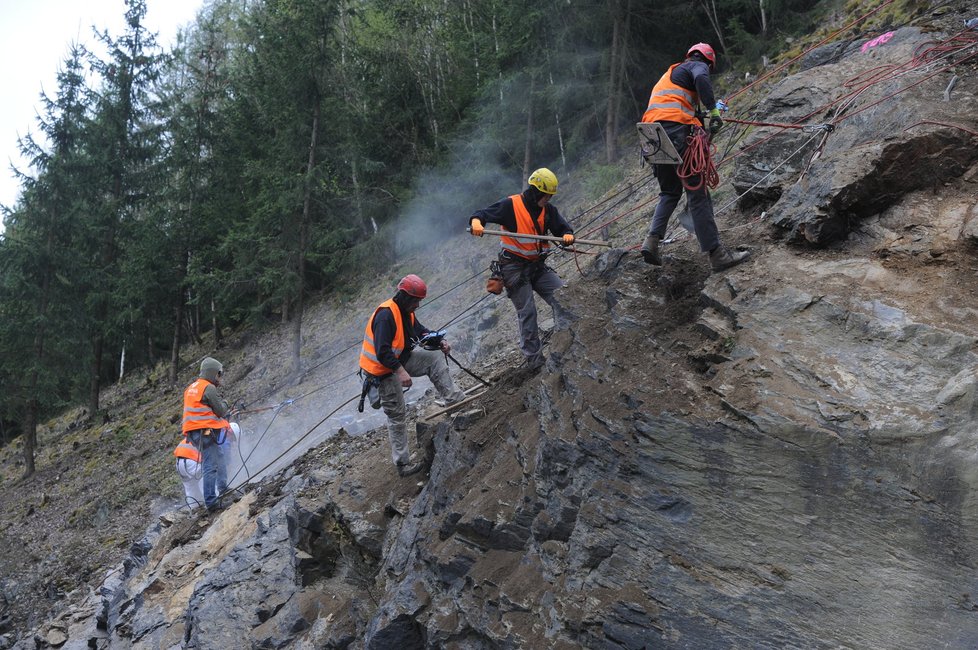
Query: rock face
{"x":779,"y":456}
{"x":892,"y":134}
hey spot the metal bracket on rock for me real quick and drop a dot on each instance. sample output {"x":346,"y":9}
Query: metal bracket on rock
{"x":815,"y":128}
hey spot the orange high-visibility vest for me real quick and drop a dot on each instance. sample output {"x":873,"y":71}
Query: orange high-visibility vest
{"x":368,"y":352}
{"x":525,"y":224}
{"x":196,"y":414}
{"x":671,"y":103}
{"x":187,"y":450}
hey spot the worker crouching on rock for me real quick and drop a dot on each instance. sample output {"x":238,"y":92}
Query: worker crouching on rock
{"x":673,"y":104}
{"x":389,"y":355}
{"x":523,"y":261}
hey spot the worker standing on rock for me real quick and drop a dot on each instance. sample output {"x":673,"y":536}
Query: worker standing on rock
{"x":390,"y":357}
{"x":204,"y":411}
{"x":673,"y":104}
{"x":522,"y":262}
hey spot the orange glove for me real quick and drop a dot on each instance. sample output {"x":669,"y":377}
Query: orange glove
{"x":477,"y":228}
{"x":568,"y":239}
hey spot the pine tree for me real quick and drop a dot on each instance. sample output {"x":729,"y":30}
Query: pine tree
{"x":37,"y":256}
{"x":126,"y":138}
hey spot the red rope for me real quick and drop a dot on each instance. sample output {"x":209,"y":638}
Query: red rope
{"x":777,"y":124}
{"x":698,"y":167}
{"x":904,"y":89}
{"x":607,"y":223}
{"x":952,"y":126}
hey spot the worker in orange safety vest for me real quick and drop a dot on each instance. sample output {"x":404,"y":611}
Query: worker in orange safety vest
{"x":522,"y":262}
{"x":204,"y":413}
{"x":391,"y":356}
{"x":673,"y":104}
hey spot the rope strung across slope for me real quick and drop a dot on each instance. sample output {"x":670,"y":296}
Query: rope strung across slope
{"x":860,"y":83}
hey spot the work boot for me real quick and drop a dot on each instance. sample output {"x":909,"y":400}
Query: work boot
{"x":650,"y":250}
{"x":536,"y":362}
{"x":454,"y":398}
{"x":404,"y":469}
{"x":721,"y":259}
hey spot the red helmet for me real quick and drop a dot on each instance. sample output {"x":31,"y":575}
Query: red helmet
{"x":707,"y":51}
{"x":412,"y":285}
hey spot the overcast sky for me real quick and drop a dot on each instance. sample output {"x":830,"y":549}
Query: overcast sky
{"x":34,"y":40}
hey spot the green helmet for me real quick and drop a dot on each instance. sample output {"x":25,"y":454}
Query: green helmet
{"x":211,"y":369}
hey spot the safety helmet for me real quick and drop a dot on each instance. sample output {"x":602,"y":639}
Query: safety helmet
{"x":707,"y":51}
{"x":544,"y":180}
{"x":412,"y":285}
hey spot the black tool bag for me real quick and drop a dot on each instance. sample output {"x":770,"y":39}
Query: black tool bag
{"x":370,"y":391}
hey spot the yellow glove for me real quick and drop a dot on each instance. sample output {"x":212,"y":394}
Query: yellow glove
{"x":477,"y":228}
{"x":568,"y":239}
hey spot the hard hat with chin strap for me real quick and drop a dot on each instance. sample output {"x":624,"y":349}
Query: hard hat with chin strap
{"x":706,"y":50}
{"x":544,"y":180}
{"x":413,"y":286}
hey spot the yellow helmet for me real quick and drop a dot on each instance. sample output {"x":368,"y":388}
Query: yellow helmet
{"x":544,"y":180}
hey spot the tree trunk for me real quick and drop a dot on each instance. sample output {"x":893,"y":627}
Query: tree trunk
{"x":30,"y":435}
{"x":195,"y":324}
{"x":215,"y":323}
{"x":710,"y":7}
{"x":611,"y":118}
{"x":33,"y":408}
{"x":175,"y":347}
{"x":528,"y":146}
{"x":304,"y":240}
{"x":95,"y":385}
{"x":150,"y":348}
{"x":33,"y":385}
{"x":763,"y":18}
{"x":358,"y":198}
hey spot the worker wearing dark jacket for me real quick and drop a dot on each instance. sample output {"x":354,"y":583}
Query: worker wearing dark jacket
{"x":523,"y":261}
{"x":673,"y":104}
{"x":204,"y":411}
{"x":389,"y":354}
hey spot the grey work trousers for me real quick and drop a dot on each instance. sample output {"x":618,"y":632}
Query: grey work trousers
{"x":521,"y":280}
{"x":421,"y":363}
{"x":671,"y":190}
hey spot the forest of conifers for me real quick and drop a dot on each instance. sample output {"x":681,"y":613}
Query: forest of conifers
{"x":267,"y":157}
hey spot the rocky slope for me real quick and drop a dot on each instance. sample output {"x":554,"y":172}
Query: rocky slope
{"x":779,"y":456}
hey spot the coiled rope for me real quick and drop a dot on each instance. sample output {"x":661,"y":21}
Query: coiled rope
{"x":698,"y":169}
